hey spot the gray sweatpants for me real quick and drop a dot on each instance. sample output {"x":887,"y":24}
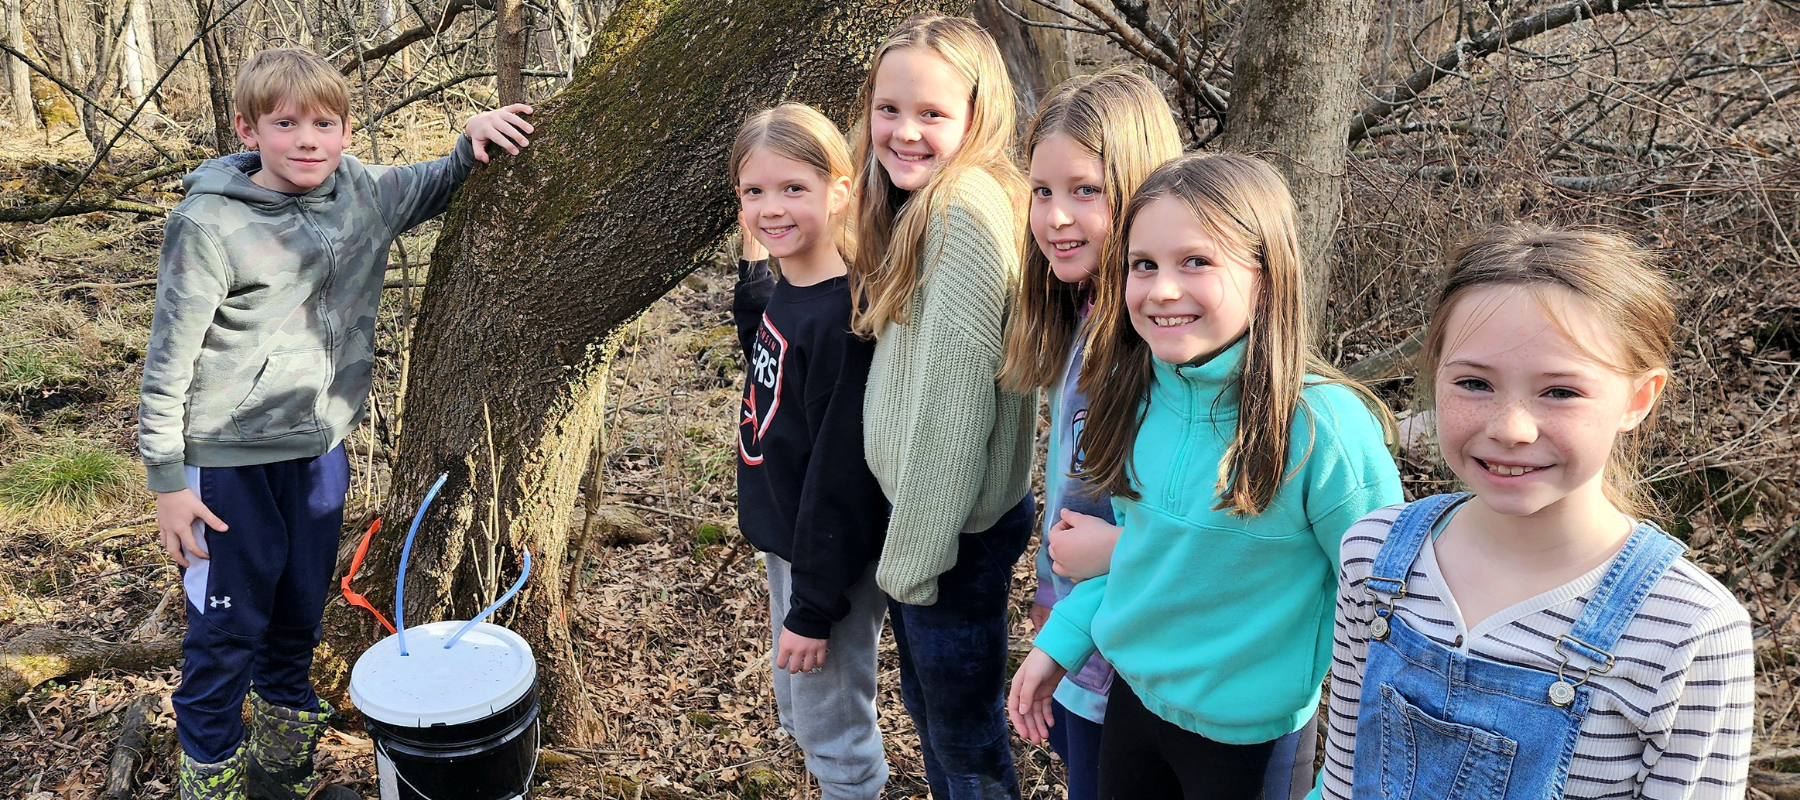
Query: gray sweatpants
{"x":831,"y":712}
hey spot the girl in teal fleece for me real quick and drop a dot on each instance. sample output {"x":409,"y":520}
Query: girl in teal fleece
{"x":1236,"y":459}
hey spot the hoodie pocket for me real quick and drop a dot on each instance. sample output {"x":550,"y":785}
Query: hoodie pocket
{"x":285,"y":398}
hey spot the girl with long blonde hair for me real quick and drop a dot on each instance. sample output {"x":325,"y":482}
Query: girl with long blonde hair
{"x":1235,"y":460}
{"x":1094,"y":140}
{"x":939,"y":218}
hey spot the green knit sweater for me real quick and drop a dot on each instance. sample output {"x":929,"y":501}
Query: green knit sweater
{"x":951,"y":449}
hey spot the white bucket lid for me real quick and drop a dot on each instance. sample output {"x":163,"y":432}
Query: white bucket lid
{"x":489,"y":669}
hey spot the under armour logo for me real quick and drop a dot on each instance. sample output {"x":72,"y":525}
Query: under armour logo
{"x":217,"y":602}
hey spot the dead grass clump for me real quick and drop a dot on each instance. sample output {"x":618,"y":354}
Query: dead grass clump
{"x":66,"y":482}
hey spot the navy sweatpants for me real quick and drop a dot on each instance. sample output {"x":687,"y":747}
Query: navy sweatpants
{"x":254,"y":608}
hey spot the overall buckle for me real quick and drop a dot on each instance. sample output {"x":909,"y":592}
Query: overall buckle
{"x":1562,"y":692}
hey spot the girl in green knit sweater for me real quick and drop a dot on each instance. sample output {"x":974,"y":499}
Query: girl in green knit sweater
{"x":940,"y":208}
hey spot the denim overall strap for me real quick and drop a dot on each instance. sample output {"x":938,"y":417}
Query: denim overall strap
{"x":1621,"y":592}
{"x":1387,"y":576}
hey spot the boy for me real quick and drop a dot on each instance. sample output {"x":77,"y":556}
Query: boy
{"x":258,"y":366}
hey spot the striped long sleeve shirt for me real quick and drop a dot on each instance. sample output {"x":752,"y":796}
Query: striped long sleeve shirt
{"x":1671,"y":720}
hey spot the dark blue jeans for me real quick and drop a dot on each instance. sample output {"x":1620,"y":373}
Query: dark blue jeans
{"x":254,"y":608}
{"x":953,"y":664}
{"x":1077,"y":740}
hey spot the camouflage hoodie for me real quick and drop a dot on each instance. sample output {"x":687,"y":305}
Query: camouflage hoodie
{"x":262,"y":342}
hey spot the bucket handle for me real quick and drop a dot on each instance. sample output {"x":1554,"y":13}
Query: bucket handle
{"x":537,"y":743}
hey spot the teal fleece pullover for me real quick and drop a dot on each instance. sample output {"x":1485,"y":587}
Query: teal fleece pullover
{"x":1222,"y":624}
{"x":262,"y":341}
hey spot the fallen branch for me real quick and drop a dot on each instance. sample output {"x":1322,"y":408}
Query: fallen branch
{"x":126,"y":285}
{"x":1778,"y":785}
{"x":44,"y":212}
{"x":1390,"y":363}
{"x":663,"y":511}
{"x":46,"y":654}
{"x":133,"y":747}
{"x":1775,"y":550}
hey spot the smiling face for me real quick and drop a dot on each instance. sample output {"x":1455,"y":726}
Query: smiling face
{"x":1070,"y":215}
{"x":787,"y":205}
{"x":918,"y":112}
{"x":299,"y":148}
{"x":1188,"y":297}
{"x":1526,"y":417}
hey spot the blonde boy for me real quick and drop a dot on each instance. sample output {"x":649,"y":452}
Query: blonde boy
{"x":258,"y":365}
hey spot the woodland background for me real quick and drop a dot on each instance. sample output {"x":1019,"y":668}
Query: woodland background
{"x":1675,"y":121}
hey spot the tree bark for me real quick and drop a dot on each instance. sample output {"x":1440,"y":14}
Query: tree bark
{"x":544,"y":255}
{"x":18,"y":77}
{"x":1294,"y":90}
{"x":216,"y":53}
{"x":509,"y":53}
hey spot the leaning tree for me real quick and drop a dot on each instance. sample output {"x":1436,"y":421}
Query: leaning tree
{"x":542,"y":256}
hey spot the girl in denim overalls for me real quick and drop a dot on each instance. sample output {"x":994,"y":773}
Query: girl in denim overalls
{"x":1536,"y":639}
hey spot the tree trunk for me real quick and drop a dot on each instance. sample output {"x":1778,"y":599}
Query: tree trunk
{"x":216,"y":54}
{"x":509,"y":52}
{"x":18,"y":76}
{"x":139,"y":58}
{"x":1035,"y":63}
{"x":1292,"y":96}
{"x":543,"y":256}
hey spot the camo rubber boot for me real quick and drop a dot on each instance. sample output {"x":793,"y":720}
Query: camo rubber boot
{"x":280,"y":753}
{"x":223,"y":780}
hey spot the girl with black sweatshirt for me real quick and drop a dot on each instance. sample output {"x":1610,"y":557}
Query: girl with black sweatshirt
{"x":806,"y":497}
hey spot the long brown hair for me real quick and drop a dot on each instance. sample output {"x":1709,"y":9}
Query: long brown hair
{"x":1616,"y":280}
{"x":891,"y":222}
{"x":798,"y":132}
{"x":1244,"y":206}
{"x":1120,"y":118}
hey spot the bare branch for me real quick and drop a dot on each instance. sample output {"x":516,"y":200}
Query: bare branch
{"x":1764,"y":105}
{"x":451,"y":10}
{"x":1480,"y":46}
{"x":441,"y":86}
{"x":83,"y":97}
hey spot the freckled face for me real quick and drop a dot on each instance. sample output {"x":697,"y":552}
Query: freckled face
{"x":1526,"y":418}
{"x":1188,"y":297}
{"x":1070,"y":215}
{"x":917,"y":116}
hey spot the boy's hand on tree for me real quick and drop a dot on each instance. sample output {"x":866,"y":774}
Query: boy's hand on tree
{"x":502,"y":126}
{"x":175,"y":515}
{"x":796,"y":653}
{"x":1028,"y":704}
{"x":1081,"y":546}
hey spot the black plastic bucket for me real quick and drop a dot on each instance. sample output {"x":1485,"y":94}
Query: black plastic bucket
{"x":492,"y":758}
{"x":452,"y":717}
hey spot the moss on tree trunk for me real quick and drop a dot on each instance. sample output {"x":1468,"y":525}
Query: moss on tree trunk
{"x":543,"y":256}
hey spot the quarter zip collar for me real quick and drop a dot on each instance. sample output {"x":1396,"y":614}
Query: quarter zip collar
{"x":1210,"y":388}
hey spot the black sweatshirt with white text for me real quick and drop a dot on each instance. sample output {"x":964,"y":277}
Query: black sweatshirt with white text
{"x":805,"y":492}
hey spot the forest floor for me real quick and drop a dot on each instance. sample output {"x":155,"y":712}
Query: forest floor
{"x":674,"y":632}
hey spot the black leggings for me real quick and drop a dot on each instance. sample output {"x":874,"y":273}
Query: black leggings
{"x":1144,"y":757}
